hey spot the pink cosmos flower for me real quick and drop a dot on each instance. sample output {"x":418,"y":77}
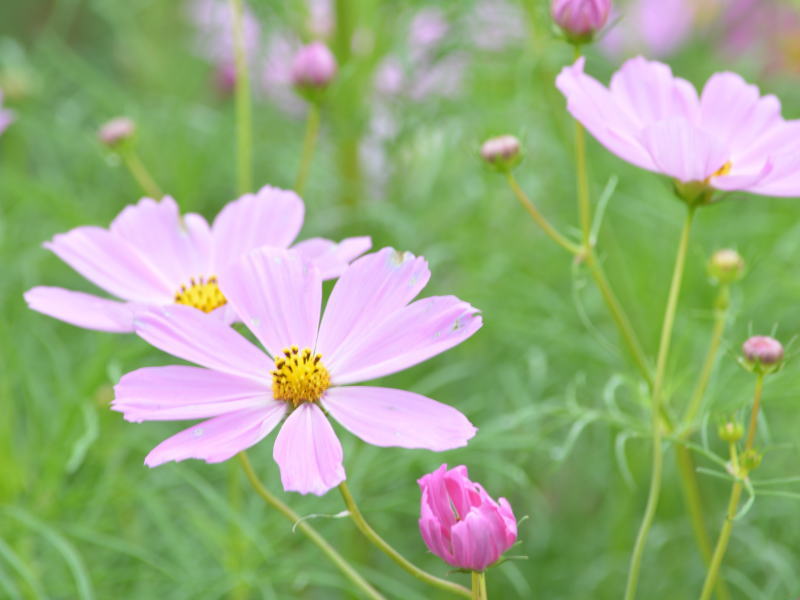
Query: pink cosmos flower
{"x":655,"y":27}
{"x":460,"y":523}
{"x":370,"y":328}
{"x":151,"y":256}
{"x":6,"y":116}
{"x":729,"y":138}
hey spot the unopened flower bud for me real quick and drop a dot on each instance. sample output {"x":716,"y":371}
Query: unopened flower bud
{"x":501,"y":152}
{"x":750,"y":460}
{"x":730,"y":431}
{"x":313,"y":67}
{"x":460,"y":523}
{"x":580,"y":19}
{"x":762,"y":353}
{"x":726,"y":266}
{"x":116,"y":131}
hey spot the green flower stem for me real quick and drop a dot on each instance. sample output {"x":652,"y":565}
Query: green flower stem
{"x":720,"y":320}
{"x":479,"y":586}
{"x":140,"y":173}
{"x":309,"y":142}
{"x":378,"y":541}
{"x":686,"y":466}
{"x":736,"y":493}
{"x":540,"y":220}
{"x":656,"y":409}
{"x":584,"y":205}
{"x":344,"y":566}
{"x":612,"y":302}
{"x":244,"y":131}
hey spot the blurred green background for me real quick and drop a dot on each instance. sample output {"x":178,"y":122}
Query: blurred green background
{"x":82,"y":517}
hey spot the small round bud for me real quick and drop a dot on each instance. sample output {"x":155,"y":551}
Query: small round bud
{"x":726,"y":266}
{"x":762,"y":353}
{"x":580,"y":19}
{"x":750,"y":460}
{"x":313,"y":67}
{"x":730,"y":431}
{"x":501,"y":152}
{"x":116,"y":131}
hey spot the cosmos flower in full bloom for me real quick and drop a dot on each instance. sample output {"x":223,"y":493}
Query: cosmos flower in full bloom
{"x":153,"y":256}
{"x":370,"y":328}
{"x":727,"y":138}
{"x":462,"y":524}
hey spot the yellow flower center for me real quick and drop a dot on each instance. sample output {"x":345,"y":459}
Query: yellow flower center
{"x":299,"y":376}
{"x":201,"y":293}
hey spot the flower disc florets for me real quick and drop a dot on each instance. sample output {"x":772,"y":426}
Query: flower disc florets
{"x":203,"y":294}
{"x":299,"y":376}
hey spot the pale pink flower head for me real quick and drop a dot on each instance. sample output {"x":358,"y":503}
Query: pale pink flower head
{"x":117,"y":130}
{"x":152,"y":256}
{"x":762,"y":349}
{"x":580,"y":19}
{"x":460,"y":523}
{"x":313,"y":67}
{"x":371,"y":327}
{"x":655,"y":28}
{"x":6,"y":116}
{"x":728,"y":138}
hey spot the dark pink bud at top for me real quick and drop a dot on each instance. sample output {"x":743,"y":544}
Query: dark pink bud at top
{"x":580,"y":18}
{"x":461,"y":523}
{"x":313,"y":67}
{"x":116,"y":131}
{"x":763,"y":350}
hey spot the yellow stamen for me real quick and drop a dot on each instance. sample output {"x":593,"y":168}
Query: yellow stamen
{"x":201,"y":293}
{"x":299,"y":376}
{"x":723,"y":170}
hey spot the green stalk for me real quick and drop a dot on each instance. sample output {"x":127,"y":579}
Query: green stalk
{"x":140,"y":173}
{"x":479,"y":586}
{"x":656,"y":408}
{"x":736,"y":492}
{"x":345,"y":567}
{"x":387,"y":549}
{"x":309,"y":142}
{"x":244,"y":128}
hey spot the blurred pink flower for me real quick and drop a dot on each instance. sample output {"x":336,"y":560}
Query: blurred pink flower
{"x":6,"y":116}
{"x":496,"y":24}
{"x":321,"y":21}
{"x":729,"y":138}
{"x":460,"y":523}
{"x":653,"y":27}
{"x":370,"y":328}
{"x":151,"y":256}
{"x":314,"y":66}
{"x":767,"y":33}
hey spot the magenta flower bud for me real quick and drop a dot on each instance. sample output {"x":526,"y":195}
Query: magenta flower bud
{"x":461,"y":523}
{"x":313,"y":67}
{"x":580,"y":19}
{"x":116,"y":131}
{"x":761,"y":350}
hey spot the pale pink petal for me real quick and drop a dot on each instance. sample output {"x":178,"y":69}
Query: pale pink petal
{"x":192,"y":335}
{"x":413,"y":334}
{"x":182,"y":392}
{"x":738,"y":180}
{"x":111,"y":263}
{"x":594,"y":107}
{"x":83,"y":310}
{"x":389,"y":417}
{"x":308,"y":452}
{"x":682,"y":151}
{"x":177,"y":248}
{"x":784,"y":178}
{"x":329,"y":257}
{"x":271,"y":217}
{"x":647,"y":91}
{"x":220,"y":438}
{"x":368,"y":292}
{"x":277,"y":295}
{"x":734,"y":112}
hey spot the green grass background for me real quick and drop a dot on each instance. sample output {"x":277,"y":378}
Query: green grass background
{"x":81,"y":517}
